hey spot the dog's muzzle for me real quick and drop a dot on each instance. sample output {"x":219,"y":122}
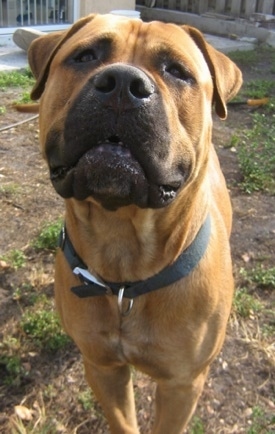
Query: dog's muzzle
{"x":116,"y":143}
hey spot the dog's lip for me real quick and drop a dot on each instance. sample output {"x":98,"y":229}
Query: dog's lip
{"x":112,"y":143}
{"x":166,"y":192}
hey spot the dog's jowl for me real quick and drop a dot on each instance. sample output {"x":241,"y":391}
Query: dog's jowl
{"x":143,"y":271}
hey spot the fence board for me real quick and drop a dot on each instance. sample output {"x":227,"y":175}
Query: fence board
{"x":220,"y":6}
{"x":184,"y":5}
{"x":250,"y":7}
{"x":171,"y":4}
{"x":160,"y":4}
{"x":235,"y":7}
{"x":202,"y":6}
{"x":268,"y":6}
{"x":199,"y":6}
{"x":194,"y":7}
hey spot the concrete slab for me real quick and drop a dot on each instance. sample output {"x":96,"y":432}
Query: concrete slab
{"x":226,"y":45}
{"x":12,"y":58}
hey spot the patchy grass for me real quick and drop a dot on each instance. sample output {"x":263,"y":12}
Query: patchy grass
{"x":249,"y":57}
{"x":262,"y":277}
{"x":22,"y":78}
{"x":255,"y":143}
{"x":41,"y":324}
{"x":252,"y":282}
{"x":255,"y":147}
{"x":24,"y":99}
{"x":196,"y":426}
{"x":48,"y":237}
{"x":10,"y":189}
{"x":260,"y":422}
{"x":34,"y":420}
{"x":254,"y":59}
{"x":37,"y":330}
{"x":25,"y":295}
{"x":245,"y":304}
{"x":2,"y":110}
{"x":86,"y":399}
{"x":10,"y":358}
{"x":255,"y":286}
{"x":15,"y":258}
{"x":259,"y":88}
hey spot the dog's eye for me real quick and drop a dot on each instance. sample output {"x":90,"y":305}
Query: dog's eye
{"x":85,"y":56}
{"x":178,"y":72}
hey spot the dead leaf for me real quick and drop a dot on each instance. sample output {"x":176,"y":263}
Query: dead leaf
{"x":246,"y":257}
{"x":23,"y":412}
{"x":3,"y":265}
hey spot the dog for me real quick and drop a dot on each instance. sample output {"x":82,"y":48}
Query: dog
{"x":143,"y":273}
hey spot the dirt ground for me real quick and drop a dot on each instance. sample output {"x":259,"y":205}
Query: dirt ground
{"x":239,"y":394}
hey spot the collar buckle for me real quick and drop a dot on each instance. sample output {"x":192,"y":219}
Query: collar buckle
{"x":87,"y":278}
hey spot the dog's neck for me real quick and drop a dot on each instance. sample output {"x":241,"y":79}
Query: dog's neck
{"x":131,"y":243}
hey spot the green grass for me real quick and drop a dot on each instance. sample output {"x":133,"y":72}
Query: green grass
{"x":252,"y":58}
{"x":40,"y":422}
{"x":46,"y":240}
{"x":48,"y":237}
{"x":22,"y":78}
{"x":259,"y":88}
{"x":256,"y":154}
{"x":24,"y":99}
{"x":196,"y":426}
{"x":10,"y":359}
{"x":256,"y":144}
{"x":245,"y":304}
{"x":26,"y":295}
{"x":246,"y":301}
{"x":249,"y":57}
{"x":85,"y":398}
{"x":261,"y":277}
{"x":41,"y":324}
{"x":38,"y":330}
{"x":261,"y":423}
{"x":10,"y":189}
{"x":15,"y":258}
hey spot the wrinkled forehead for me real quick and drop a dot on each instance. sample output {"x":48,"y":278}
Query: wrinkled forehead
{"x":142,"y":41}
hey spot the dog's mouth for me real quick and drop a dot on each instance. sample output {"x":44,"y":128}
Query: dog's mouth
{"x":111,"y":174}
{"x":113,"y":144}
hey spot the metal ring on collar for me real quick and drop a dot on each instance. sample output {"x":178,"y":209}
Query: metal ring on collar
{"x":120,"y":303}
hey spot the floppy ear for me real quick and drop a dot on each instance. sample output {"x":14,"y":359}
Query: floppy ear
{"x":226,"y":76}
{"x":42,"y":51}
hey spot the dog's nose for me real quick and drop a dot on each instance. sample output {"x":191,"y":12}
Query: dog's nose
{"x":123,"y":87}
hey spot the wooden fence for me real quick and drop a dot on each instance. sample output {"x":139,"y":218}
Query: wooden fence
{"x":236,"y":8}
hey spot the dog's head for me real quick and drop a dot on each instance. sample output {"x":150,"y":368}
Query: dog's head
{"x":125,"y":111}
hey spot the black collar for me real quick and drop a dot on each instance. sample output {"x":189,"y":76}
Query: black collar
{"x":183,"y":265}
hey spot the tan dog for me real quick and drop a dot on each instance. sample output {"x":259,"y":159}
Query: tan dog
{"x":125,"y":126}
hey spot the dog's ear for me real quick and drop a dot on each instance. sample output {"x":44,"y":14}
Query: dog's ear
{"x":227,"y":78}
{"x":42,"y":51}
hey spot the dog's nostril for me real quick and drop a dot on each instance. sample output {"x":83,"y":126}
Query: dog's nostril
{"x":141,"y":89}
{"x":105,"y":83}
{"x":114,"y":139}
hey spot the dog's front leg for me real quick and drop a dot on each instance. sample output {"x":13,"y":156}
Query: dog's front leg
{"x":175,"y":404}
{"x":114,"y":390}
